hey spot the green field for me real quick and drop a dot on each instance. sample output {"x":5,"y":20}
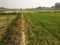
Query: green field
{"x":41,"y":28}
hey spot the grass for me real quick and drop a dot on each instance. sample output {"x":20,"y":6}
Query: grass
{"x":45,"y":27}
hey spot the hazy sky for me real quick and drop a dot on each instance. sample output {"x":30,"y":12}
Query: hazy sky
{"x":27,"y":3}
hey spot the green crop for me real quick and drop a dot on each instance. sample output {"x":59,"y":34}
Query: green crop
{"x":45,"y":28}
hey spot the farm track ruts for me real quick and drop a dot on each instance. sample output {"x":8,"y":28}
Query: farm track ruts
{"x":16,"y":36}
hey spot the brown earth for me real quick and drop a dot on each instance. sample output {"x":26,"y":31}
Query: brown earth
{"x":16,"y":36}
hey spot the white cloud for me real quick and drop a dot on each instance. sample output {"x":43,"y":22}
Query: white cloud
{"x":27,"y":3}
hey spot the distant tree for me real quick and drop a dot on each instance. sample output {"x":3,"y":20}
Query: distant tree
{"x":39,"y":7}
{"x":57,"y":6}
{"x":2,"y":8}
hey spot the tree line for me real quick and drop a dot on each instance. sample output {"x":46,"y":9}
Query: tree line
{"x":56,"y":6}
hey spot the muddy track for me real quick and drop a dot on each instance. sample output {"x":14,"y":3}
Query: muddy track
{"x":16,"y":36}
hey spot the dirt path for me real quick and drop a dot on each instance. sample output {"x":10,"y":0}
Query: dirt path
{"x":23,"y":39}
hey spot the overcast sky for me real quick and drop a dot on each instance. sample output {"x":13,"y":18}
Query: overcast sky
{"x":27,"y":3}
